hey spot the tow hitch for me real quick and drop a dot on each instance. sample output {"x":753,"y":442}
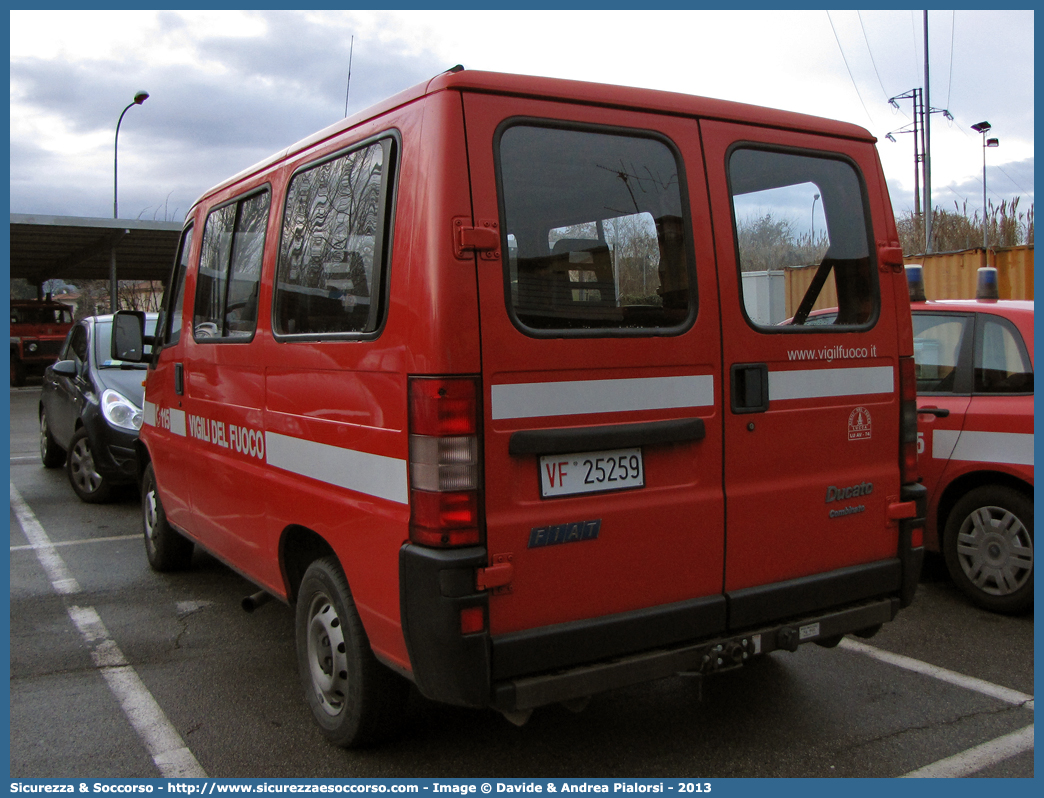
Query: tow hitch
{"x":730,"y":654}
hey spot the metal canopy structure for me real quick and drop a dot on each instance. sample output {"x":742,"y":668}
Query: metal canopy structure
{"x":78,"y":248}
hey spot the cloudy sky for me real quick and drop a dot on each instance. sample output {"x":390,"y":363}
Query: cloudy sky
{"x":230,"y":88}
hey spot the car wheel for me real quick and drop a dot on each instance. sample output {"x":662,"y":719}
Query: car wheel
{"x":165,"y":547}
{"x":355,"y":699}
{"x":51,"y":453}
{"x":89,"y":485}
{"x":988,"y":546}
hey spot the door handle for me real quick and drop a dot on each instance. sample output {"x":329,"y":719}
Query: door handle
{"x":749,"y":387}
{"x":938,"y":412}
{"x":179,"y":379}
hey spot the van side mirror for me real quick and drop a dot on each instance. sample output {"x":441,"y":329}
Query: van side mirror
{"x":128,"y":336}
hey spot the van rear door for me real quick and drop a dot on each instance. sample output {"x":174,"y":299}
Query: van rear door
{"x":810,"y":342}
{"x":600,"y":365}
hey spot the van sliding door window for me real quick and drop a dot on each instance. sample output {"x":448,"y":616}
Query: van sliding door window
{"x":230,"y":270}
{"x":329,"y":278}
{"x":803,"y":241}
{"x":597,"y":231}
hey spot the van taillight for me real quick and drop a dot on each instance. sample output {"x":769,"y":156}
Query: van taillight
{"x":908,"y":421}
{"x":444,"y":461}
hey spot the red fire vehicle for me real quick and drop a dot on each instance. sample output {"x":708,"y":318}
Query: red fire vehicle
{"x":975,"y":438}
{"x":38,"y":330}
{"x":472,"y":380}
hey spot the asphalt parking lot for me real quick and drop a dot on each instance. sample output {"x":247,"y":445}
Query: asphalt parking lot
{"x":110,"y":662}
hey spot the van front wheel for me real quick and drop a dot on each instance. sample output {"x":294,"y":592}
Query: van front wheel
{"x":355,"y":700}
{"x":165,"y":547}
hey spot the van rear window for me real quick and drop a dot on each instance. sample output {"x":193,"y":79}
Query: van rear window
{"x":597,"y":232}
{"x":802,"y":240}
{"x":329,"y":278}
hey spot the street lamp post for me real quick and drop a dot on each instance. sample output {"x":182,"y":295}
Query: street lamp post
{"x":139,"y":98}
{"x":814,"y":198}
{"x":984,"y":128}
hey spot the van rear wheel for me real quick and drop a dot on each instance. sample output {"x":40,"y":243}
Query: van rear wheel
{"x":355,"y":700}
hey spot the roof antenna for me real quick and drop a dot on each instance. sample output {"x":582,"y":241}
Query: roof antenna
{"x":349,"y":86}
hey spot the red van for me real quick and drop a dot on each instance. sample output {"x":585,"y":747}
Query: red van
{"x":473,"y":379}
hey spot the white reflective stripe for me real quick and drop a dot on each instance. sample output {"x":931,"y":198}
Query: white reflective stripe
{"x":372,"y":474}
{"x":943,"y":441}
{"x":581,"y":397}
{"x":177,"y":422}
{"x":822,"y":383}
{"x":1008,"y":448}
{"x":176,"y":418}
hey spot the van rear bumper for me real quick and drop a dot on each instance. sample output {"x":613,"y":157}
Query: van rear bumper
{"x":705,"y":657}
{"x":556,"y":663}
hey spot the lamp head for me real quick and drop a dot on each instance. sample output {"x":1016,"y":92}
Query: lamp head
{"x":140,"y":97}
{"x":981,"y":127}
{"x":992,"y":142}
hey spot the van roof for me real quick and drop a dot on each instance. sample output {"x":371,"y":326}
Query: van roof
{"x":608,"y":95}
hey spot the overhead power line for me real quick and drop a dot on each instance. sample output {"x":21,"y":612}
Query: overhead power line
{"x":872,"y":61}
{"x":949,"y":81}
{"x":850,"y":75}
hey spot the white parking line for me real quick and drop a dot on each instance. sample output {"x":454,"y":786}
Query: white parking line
{"x":981,"y":756}
{"x":975,"y":759}
{"x":959,"y":679}
{"x":161,"y":739}
{"x":54,"y":566}
{"x":81,"y":541}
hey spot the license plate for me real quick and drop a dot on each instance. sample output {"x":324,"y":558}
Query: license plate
{"x":591,"y":472}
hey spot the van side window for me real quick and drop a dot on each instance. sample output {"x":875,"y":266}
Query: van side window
{"x":174,"y":304}
{"x":597,"y":231}
{"x":329,"y":278}
{"x":230,"y":270}
{"x":802,"y":239}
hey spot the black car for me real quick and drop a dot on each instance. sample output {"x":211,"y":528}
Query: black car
{"x":91,"y":410}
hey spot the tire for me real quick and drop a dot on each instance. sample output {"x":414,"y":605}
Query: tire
{"x":52,"y":455}
{"x":988,"y":546}
{"x":165,"y":547}
{"x":89,"y":485}
{"x":355,"y":700}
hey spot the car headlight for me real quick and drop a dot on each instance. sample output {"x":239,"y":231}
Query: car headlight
{"x":120,"y":411}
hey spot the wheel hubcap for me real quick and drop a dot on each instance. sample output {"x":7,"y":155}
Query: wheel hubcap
{"x":43,"y":436}
{"x":327,"y":661}
{"x":995,"y":551}
{"x":82,"y":467}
